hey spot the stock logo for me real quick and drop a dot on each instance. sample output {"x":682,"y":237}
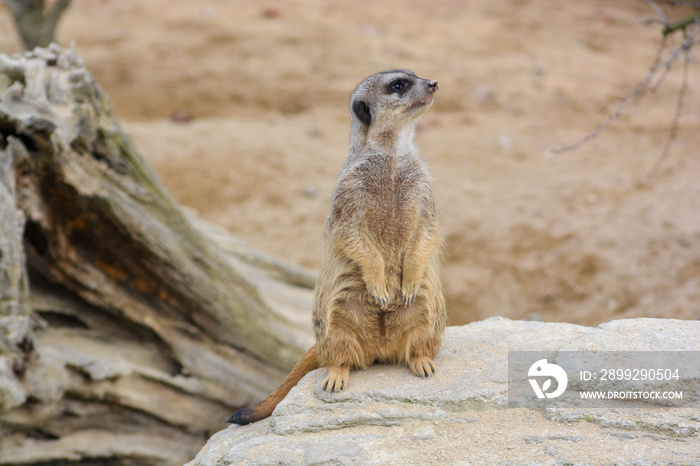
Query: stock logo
{"x":542,"y":368}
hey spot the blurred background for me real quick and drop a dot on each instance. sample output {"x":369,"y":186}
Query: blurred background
{"x":241,"y":107}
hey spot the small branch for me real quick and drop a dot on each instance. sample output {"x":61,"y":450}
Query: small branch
{"x":673,"y":132}
{"x":658,"y":11}
{"x":681,"y":24}
{"x":641,"y":87}
{"x":685,"y":3}
{"x":657,"y":60}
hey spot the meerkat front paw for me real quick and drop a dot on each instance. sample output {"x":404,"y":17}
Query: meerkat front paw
{"x":380,"y":294}
{"x":337,"y":379}
{"x":422,"y":366}
{"x":409,"y":292}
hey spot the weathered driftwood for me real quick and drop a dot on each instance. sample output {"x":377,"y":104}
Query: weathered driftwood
{"x":151,"y":325}
{"x":14,"y":291}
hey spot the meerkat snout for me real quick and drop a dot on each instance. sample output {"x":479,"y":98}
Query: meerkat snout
{"x":433,"y":86}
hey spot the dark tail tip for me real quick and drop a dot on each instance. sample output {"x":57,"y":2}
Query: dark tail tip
{"x":243,"y":417}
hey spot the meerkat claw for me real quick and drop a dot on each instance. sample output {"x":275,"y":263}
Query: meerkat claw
{"x":408,"y":300}
{"x":380,"y":297}
{"x":422,"y":366}
{"x":337,"y":379}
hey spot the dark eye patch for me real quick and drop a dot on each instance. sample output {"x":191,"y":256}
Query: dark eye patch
{"x":399,"y":86}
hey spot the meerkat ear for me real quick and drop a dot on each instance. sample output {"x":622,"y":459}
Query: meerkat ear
{"x":362,"y":111}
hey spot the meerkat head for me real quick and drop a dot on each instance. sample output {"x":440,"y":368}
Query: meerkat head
{"x":396,"y":97}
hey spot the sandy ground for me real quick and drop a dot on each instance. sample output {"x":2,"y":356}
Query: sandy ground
{"x":260,"y":91}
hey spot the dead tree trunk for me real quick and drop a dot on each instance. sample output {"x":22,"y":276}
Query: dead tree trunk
{"x":35,"y":21}
{"x":150,"y":325}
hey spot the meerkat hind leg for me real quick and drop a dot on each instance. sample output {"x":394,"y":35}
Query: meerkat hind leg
{"x":337,"y":379}
{"x":422,"y":366}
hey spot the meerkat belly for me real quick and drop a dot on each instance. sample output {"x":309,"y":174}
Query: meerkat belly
{"x":381,"y":335}
{"x":391,"y":228}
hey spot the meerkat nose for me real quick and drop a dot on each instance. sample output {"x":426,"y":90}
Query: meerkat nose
{"x":433,"y":86}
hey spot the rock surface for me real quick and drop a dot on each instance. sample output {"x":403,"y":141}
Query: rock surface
{"x":461,"y":415}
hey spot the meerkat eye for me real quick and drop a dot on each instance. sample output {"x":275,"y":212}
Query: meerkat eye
{"x":398,"y":86}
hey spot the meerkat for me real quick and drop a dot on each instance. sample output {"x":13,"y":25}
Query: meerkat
{"x":378,"y":297}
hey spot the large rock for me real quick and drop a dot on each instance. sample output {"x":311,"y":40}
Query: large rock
{"x":388,"y":416}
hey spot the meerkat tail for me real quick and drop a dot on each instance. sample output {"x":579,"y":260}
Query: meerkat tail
{"x":306,"y":364}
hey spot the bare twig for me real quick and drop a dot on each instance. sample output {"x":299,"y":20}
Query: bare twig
{"x":685,"y":3}
{"x":657,"y":60}
{"x":639,"y":90}
{"x":681,"y":24}
{"x":646,"y":84}
{"x":673,"y":132}
{"x":659,"y":12}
